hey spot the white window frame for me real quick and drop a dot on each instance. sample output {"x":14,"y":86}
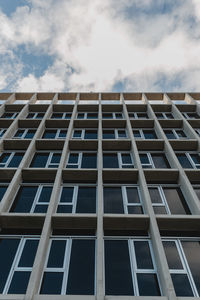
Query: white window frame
{"x":135,"y":115}
{"x":9,"y":158}
{"x":177,"y":137}
{"x":119,"y":158}
{"x":35,"y":114}
{"x":133,"y":261}
{"x":151,"y":162}
{"x":37,"y":195}
{"x":57,"y":133}
{"x":185,"y":114}
{"x":85,"y":115}
{"x":113,"y":115}
{"x":183,"y":259}
{"x":164,"y":115}
{"x":80,"y":156}
{"x":48,"y":163}
{"x":17,"y":257}
{"x":2,"y":131}
{"x":82,"y":137}
{"x":73,"y":203}
{"x":126,"y":204}
{"x":162,"y":196}
{"x":24,"y":133}
{"x":14,"y":114}
{"x":63,"y":115}
{"x":190,"y":159}
{"x":66,"y":261}
{"x":116,"y":133}
{"x":142,"y":136}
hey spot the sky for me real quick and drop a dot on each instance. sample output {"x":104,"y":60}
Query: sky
{"x":99,"y":45}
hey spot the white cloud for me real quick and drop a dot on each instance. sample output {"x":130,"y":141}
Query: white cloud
{"x":103,"y":46}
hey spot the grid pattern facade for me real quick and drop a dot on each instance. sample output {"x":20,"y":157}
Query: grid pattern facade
{"x":100,"y":195}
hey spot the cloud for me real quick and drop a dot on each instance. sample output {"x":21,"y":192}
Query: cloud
{"x":103,"y":45}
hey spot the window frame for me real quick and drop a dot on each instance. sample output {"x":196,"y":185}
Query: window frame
{"x":35,"y":115}
{"x":189,"y":159}
{"x":116,"y":133}
{"x":142,"y":135}
{"x":119,"y":158}
{"x":151,"y":162}
{"x":12,"y":154}
{"x":58,"y":130}
{"x":50,"y":155}
{"x":113,"y":115}
{"x":185,"y":114}
{"x":64,"y":114}
{"x":85,"y":115}
{"x":135,"y":115}
{"x":14,"y":114}
{"x":177,"y":137}
{"x":2,"y":132}
{"x":26,"y":130}
{"x":80,"y":157}
{"x":164,"y":114}
{"x":83,"y":133}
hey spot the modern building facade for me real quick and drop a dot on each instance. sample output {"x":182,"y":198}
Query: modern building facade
{"x":100,"y":196}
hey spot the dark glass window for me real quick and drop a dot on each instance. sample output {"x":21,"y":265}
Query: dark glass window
{"x":39,"y":160}
{"x":110,"y":160}
{"x":15,"y":161}
{"x":149,"y":134}
{"x":92,"y":115}
{"x":113,"y":201}
{"x":137,"y":133}
{"x":86,"y":200}
{"x":170,"y":134}
{"x":90,"y":134}
{"x":56,"y":115}
{"x":89,"y":161}
{"x":49,"y":134}
{"x":185,"y":163}
{"x":176,"y":200}
{"x":3,"y":189}
{"x":160,"y":160}
{"x":108,"y":134}
{"x":142,"y":115}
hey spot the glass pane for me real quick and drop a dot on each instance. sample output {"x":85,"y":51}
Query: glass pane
{"x":4,"y":157}
{"x":155,"y":195}
{"x":39,"y":160}
{"x":184,"y":161}
{"x":172,"y":255}
{"x":144,"y":159}
{"x":195,"y":158}
{"x":73,"y":158}
{"x":56,"y":254}
{"x":118,"y":115}
{"x":142,"y":115}
{"x":132,"y":195}
{"x":67,"y":194}
{"x":82,"y":268}
{"x":68,"y":115}
{"x":181,"y":133}
{"x":169,"y":116}
{"x":86,"y":200}
{"x":160,"y":160}
{"x":107,"y":116}
{"x":113,"y":201}
{"x":149,"y":134}
{"x":169,"y":134}
{"x":136,"y":134}
{"x":30,"y":134}
{"x":19,"y":283}
{"x":64,"y":209}
{"x":192,"y":253}
{"x":62,"y":133}
{"x":55,"y":158}
{"x":159,"y":210}
{"x":90,"y":134}
{"x":148,"y":285}
{"x":110,"y":160}
{"x":159,"y":116}
{"x":92,"y":115}
{"x":39,"y":115}
{"x":126,"y":158}
{"x":135,"y":210}
{"x":118,"y":277}
{"x":122,"y":134}
{"x":57,"y":116}
{"x":24,"y":199}
{"x":77,"y":133}
{"x":89,"y":160}
{"x":45,"y":194}
{"x":2,"y":191}
{"x":28,"y":253}
{"x":143,"y":255}
{"x":19,"y":133}
{"x":176,"y":201}
{"x":108,"y":134}
{"x":15,"y":161}
{"x":40,"y":208}
{"x":182,"y":285}
{"x":8,"y":248}
{"x":52,"y":283}
{"x":30,"y":115}
{"x":80,"y":116}
{"x":49,"y":134}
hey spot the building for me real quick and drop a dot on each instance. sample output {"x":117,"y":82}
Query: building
{"x":99,"y":195}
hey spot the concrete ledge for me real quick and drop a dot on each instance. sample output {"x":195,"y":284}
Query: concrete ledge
{"x":52,"y":144}
{"x":29,"y":123}
{"x":63,"y":107}
{"x":7,"y":174}
{"x":20,"y":220}
{"x":113,"y":123}
{"x":186,"y":107}
{"x":171,"y":123}
{"x":125,"y":222}
{"x":161,"y":107}
{"x":5,"y":123}
{"x":69,"y":221}
{"x":57,"y":123}
{"x":112,"y":107}
{"x":83,"y":144}
{"x":161,"y":175}
{"x":136,"y":107}
{"x":123,"y":144}
{"x":116,"y":175}
{"x":38,"y":175}
{"x":93,"y":123}
{"x":86,"y":175}
{"x":193,"y":175}
{"x":142,"y":123}
{"x":175,"y":223}
{"x":194,"y":123}
{"x":14,"y":107}
{"x":16,"y":144}
{"x":150,"y":144}
{"x":188,"y":144}
{"x":88,"y":107}
{"x":37,"y":107}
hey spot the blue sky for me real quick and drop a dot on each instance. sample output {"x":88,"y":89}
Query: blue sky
{"x":95,"y":45}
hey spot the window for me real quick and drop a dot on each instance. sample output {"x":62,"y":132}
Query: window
{"x":32,"y":198}
{"x":45,"y":160}
{"x":117,"y":160}
{"x":168,"y":200}
{"x":58,"y":115}
{"x":144,"y":134}
{"x":87,"y":115}
{"x":2,"y":131}
{"x":85,"y":134}
{"x":66,"y":102}
{"x":3,"y":188}
{"x":10,"y":159}
{"x":122,"y":200}
{"x":77,"y":199}
{"x":35,"y":115}
{"x":21,"y":101}
{"x":110,"y":101}
{"x":162,"y":115}
{"x":130,"y":268}
{"x":69,"y":267}
{"x":189,"y":160}
{"x":54,"y":134}
{"x":82,"y":160}
{"x":175,"y":134}
{"x":24,"y":133}
{"x":183,"y":257}
{"x":154,"y":160}
{"x":43,"y":101}
{"x":138,"y":115}
{"x":191,"y":115}
{"x":112,"y":115}
{"x":16,"y":259}
{"x":115,"y":134}
{"x":9,"y":115}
